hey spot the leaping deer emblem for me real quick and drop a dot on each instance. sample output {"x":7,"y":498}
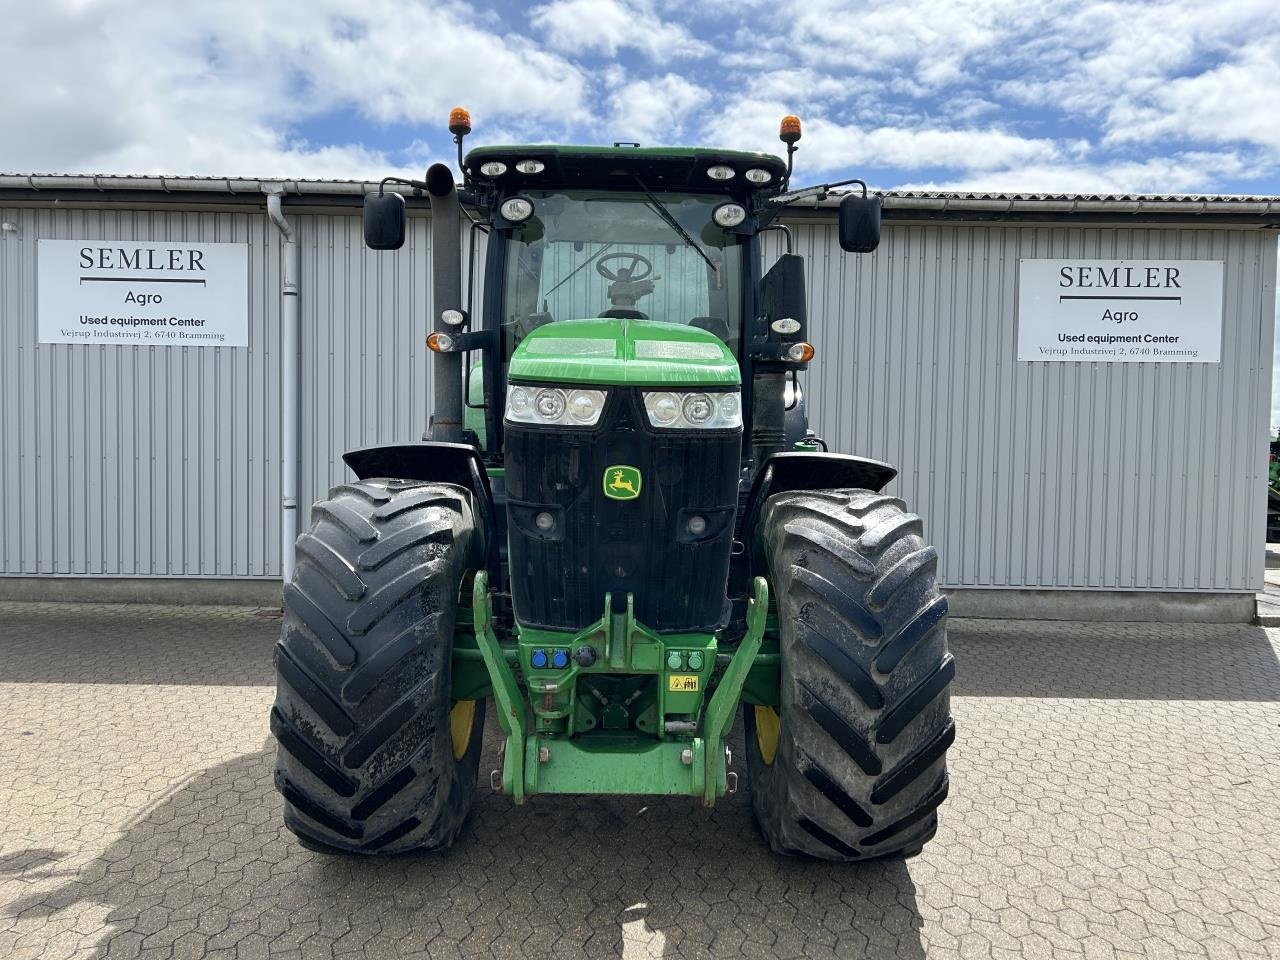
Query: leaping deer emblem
{"x":621,"y":483}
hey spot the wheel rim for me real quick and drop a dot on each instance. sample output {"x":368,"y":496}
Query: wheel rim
{"x":461,"y":720}
{"x":767,"y":729}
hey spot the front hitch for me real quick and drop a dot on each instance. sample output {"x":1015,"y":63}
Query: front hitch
{"x":618,"y":764}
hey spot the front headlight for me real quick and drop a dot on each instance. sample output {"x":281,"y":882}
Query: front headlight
{"x":729,"y":214}
{"x":517,"y":209}
{"x":550,"y":406}
{"x":694,"y":411}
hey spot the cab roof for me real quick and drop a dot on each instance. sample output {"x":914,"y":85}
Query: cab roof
{"x":659,"y":168}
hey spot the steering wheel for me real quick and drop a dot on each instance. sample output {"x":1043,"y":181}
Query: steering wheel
{"x":634,"y":259}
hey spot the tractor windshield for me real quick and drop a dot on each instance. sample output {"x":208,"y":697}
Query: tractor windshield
{"x":608,"y":254}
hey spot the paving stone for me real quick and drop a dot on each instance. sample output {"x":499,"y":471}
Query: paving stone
{"x":1115,"y":794}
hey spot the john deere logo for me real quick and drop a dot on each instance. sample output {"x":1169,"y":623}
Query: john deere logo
{"x":621,"y":482}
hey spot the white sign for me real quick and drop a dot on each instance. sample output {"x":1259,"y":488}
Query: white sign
{"x":151,"y":292}
{"x":1120,"y":311}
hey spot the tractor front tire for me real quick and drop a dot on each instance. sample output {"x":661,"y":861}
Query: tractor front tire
{"x":374,"y":755}
{"x":852,"y":765}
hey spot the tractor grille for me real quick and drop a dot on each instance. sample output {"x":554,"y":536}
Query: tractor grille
{"x":601,"y":545}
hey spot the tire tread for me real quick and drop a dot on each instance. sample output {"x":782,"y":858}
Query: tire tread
{"x":859,"y":768}
{"x":365,"y":760}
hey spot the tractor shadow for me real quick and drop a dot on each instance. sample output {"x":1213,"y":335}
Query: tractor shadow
{"x":211,"y":868}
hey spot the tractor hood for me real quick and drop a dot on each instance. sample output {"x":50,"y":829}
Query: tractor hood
{"x":637,"y":353}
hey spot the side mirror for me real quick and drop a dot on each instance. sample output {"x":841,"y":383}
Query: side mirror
{"x":384,"y":221}
{"x":782,"y":299}
{"x":859,"y":223}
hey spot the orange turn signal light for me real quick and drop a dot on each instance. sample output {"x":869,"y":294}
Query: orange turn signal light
{"x":459,"y":121}
{"x":800,"y":352}
{"x":789,"y":129}
{"x":439,"y":342}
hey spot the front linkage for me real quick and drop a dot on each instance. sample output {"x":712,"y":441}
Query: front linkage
{"x":688,"y":758}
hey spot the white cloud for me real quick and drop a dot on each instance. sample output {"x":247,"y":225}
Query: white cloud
{"x":829,"y":145}
{"x":654,"y":111}
{"x":930,"y":40}
{"x":1133,"y":72}
{"x":800,"y":86}
{"x":1181,"y":173}
{"x":1179,"y":69}
{"x":433,"y":58}
{"x":607,"y":26}
{"x":214,"y":88}
{"x":1234,"y":101}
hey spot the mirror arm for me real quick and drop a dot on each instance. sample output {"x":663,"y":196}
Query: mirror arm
{"x":845,"y":183}
{"x":416,"y":184}
{"x":485,"y":341}
{"x":786,"y":231}
{"x":818,"y":192}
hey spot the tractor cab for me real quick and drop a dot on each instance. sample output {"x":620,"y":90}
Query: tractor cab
{"x":622,"y":233}
{"x":645,"y":239}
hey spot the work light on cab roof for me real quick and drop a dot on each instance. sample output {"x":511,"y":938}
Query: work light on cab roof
{"x":622,"y":529}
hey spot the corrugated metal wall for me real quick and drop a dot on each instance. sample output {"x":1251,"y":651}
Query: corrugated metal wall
{"x":1047,"y":475}
{"x":138,"y":461}
{"x":365,"y":374}
{"x":163,"y":461}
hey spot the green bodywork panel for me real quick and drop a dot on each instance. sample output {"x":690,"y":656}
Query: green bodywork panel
{"x":618,"y":764}
{"x":638,"y":353}
{"x":663,"y":736}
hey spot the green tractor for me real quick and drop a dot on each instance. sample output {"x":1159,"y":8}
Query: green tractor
{"x":619,"y":531}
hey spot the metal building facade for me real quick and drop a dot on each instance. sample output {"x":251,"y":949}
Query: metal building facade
{"x":164,"y":461}
{"x":1048,"y":475}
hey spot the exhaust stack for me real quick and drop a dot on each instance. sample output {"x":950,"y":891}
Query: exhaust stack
{"x":445,"y":415}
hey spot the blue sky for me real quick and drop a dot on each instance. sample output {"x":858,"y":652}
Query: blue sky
{"x":1100,"y":95}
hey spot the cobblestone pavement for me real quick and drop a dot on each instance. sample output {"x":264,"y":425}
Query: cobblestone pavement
{"x":1114,"y":793}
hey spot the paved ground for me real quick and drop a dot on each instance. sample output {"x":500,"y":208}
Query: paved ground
{"x":1116,"y":792}
{"x":1269,"y":597}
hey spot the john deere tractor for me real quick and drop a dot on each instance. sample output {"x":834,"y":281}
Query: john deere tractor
{"x":620,"y":530}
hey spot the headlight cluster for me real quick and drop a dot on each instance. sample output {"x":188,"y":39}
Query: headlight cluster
{"x":551,"y":405}
{"x":755,"y":174}
{"x":694,"y":411}
{"x":496,"y":168}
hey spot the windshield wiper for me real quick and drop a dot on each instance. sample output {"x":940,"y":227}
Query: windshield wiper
{"x":660,"y":209}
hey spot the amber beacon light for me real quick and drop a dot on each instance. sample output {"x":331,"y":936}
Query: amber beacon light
{"x":789,"y":129}
{"x":459,"y":121}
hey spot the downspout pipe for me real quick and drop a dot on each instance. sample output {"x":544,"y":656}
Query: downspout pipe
{"x":445,"y":417}
{"x":290,"y":363}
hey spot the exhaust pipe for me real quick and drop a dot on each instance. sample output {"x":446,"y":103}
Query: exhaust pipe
{"x":444,"y":419}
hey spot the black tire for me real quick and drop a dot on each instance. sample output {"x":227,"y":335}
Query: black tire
{"x":363,"y":710}
{"x":859,"y":767}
